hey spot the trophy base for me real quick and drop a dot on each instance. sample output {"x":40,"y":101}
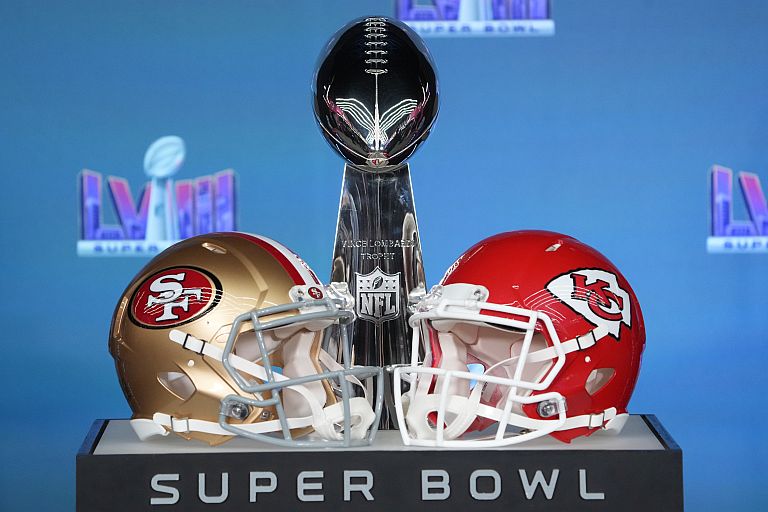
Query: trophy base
{"x":638,"y":470}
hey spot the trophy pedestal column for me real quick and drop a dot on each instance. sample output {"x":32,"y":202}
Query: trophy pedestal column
{"x":378,"y":254}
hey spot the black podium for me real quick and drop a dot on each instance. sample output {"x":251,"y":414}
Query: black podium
{"x":638,"y":470}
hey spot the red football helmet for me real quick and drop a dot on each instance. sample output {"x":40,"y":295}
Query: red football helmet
{"x":529,"y":333}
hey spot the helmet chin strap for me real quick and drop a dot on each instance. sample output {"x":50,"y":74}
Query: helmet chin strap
{"x":466,"y":409}
{"x":324,"y":420}
{"x":325,"y":424}
{"x":333,"y":416}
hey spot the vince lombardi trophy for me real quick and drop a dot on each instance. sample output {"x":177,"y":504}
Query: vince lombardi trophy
{"x":162,"y":160}
{"x":375,"y":98}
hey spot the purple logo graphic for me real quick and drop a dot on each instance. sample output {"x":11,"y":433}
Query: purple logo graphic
{"x":728,"y":235}
{"x":477,"y":17}
{"x":164,"y":212}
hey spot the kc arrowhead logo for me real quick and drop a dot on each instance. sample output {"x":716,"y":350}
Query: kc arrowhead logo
{"x":596,"y":295}
{"x":377,"y":295}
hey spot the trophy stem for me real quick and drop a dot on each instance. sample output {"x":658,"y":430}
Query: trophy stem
{"x":377,"y":252}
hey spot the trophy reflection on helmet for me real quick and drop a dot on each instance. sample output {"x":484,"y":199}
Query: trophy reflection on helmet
{"x":220,"y":336}
{"x":375,"y":98}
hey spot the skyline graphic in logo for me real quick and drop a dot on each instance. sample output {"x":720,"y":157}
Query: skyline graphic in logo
{"x":165,"y":211}
{"x":377,"y":295}
{"x":728,"y":235}
{"x":449,"y":18}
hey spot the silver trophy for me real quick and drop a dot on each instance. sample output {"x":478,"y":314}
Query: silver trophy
{"x":376,"y":98}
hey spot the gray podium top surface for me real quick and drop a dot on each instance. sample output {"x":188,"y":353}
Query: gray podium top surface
{"x":118,"y":438}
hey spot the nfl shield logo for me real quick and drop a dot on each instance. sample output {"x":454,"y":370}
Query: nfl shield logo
{"x":377,"y":295}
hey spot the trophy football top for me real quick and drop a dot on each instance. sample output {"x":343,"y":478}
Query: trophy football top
{"x":164,"y":157}
{"x":375,"y":93}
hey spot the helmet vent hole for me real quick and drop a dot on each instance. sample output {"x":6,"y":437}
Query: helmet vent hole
{"x":216,"y":249}
{"x":177,"y":383}
{"x":598,"y":378}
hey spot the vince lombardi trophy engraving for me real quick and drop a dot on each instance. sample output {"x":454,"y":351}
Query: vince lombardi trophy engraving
{"x":375,"y":98}
{"x":161,"y":161}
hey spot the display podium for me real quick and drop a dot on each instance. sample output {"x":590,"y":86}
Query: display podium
{"x":638,"y":470}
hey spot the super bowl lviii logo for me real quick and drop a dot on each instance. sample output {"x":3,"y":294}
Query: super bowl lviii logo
{"x":478,"y":17}
{"x":164,"y":212}
{"x":727,"y":234}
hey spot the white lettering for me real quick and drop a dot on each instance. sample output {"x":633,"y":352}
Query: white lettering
{"x":538,"y":480}
{"x":168,"y":292}
{"x":366,"y":304}
{"x":201,"y":492}
{"x":441,"y":487}
{"x":173,"y":492}
{"x":364,"y":488}
{"x":255,"y":476}
{"x":302,"y":486}
{"x":586,"y":495}
{"x":377,"y":304}
{"x":485,"y":496}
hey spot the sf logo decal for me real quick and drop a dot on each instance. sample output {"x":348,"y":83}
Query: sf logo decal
{"x":171,"y":294}
{"x":596,"y":295}
{"x":174,"y":296}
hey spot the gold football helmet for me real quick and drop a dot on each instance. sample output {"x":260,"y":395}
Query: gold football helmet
{"x":220,"y":335}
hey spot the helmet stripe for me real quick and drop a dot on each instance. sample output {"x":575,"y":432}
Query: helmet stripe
{"x":290,"y":261}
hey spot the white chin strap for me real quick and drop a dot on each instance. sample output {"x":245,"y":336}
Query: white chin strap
{"x":464,"y":411}
{"x":325,"y":426}
{"x":325,"y":421}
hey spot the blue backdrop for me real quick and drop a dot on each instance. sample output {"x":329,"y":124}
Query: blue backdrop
{"x":605,"y":131}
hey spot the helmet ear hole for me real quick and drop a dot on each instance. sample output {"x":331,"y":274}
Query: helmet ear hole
{"x":597,"y":379}
{"x":177,"y":383}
